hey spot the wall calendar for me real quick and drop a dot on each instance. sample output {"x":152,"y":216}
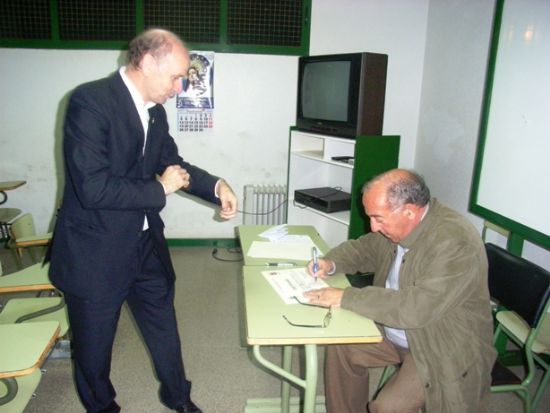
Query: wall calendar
{"x":195,"y":104}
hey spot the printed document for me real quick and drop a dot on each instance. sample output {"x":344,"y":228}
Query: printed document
{"x":293,"y":282}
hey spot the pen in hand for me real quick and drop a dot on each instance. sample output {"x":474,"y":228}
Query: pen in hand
{"x":315,"y":267}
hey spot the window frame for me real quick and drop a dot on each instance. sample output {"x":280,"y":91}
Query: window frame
{"x":220,"y":47}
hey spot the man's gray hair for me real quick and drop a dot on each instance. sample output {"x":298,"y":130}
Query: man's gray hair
{"x":402,"y":187}
{"x":156,"y":42}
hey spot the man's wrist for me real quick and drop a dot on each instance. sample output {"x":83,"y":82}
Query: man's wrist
{"x":217,"y":187}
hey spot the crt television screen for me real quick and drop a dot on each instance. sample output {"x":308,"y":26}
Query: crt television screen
{"x":325,"y":88}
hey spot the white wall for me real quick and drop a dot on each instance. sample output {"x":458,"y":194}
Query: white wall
{"x":35,"y":84}
{"x":457,"y":47}
{"x":458,"y":39}
{"x":396,"y":28}
{"x":255,"y":99}
{"x":255,"y":105}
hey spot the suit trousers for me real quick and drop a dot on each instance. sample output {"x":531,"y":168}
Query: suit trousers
{"x":150,"y":297}
{"x":347,"y":379}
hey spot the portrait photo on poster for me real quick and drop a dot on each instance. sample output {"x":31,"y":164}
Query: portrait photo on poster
{"x":195,"y":104}
{"x":198,"y":87}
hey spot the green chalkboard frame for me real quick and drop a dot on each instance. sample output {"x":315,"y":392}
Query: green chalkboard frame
{"x":518,"y":231}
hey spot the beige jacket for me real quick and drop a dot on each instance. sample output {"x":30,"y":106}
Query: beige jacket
{"x":443,"y":304}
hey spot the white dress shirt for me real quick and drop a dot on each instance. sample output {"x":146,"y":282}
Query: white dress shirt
{"x":396,"y":335}
{"x":143,"y":112}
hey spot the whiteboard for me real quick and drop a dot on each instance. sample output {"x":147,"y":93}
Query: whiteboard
{"x":512,"y":176}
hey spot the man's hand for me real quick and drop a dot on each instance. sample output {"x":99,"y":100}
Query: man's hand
{"x":325,"y":266}
{"x":228,"y":200}
{"x":173,"y":178}
{"x":325,"y":297}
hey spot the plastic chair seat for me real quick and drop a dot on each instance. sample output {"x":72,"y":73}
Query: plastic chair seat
{"x":519,"y":328}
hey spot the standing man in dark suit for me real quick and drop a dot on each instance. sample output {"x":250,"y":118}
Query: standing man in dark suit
{"x":108,"y":245}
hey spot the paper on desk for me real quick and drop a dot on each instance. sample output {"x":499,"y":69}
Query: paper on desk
{"x":275,"y":233}
{"x":286,"y":249}
{"x":292,"y":282}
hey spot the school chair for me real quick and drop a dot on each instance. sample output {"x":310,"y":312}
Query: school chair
{"x":522,"y":291}
{"x":23,"y":237}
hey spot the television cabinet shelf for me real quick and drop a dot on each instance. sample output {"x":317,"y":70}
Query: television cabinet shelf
{"x":311,"y":166}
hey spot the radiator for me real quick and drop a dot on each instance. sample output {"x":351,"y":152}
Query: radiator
{"x":264,"y":204}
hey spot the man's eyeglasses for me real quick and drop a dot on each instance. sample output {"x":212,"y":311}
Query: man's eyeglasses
{"x":324,"y":324}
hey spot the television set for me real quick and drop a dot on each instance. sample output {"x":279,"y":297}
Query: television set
{"x":342,"y":94}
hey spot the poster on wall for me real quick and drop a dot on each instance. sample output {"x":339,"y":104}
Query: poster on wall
{"x":195,"y":104}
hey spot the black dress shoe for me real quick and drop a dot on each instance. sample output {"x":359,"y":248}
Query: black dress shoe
{"x":188,"y":408}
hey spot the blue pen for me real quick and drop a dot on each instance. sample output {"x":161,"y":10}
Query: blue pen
{"x":315,"y":262}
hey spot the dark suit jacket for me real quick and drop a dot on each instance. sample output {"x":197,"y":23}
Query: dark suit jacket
{"x":110,"y":187}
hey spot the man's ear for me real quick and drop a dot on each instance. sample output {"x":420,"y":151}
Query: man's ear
{"x":411,"y":211}
{"x":148,"y":64}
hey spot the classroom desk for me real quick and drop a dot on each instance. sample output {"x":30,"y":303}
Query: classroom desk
{"x":250,"y":233}
{"x":266,"y":326}
{"x":32,"y":278}
{"x":8,"y":186}
{"x":25,"y":346}
{"x":23,"y":349}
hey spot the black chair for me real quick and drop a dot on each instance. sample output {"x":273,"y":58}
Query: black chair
{"x":521,"y":289}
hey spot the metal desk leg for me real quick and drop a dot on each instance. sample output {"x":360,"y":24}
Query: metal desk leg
{"x":312,"y":371}
{"x":285,"y":385}
{"x":310,"y":382}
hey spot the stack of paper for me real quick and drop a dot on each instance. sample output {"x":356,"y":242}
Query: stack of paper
{"x":275,"y":233}
{"x":296,"y":250}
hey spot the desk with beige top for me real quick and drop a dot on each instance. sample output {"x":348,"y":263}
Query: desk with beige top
{"x":23,"y":349}
{"x":266,"y":326}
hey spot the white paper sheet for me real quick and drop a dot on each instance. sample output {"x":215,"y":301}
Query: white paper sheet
{"x":292,"y":282}
{"x":275,"y":233}
{"x":285,"y":250}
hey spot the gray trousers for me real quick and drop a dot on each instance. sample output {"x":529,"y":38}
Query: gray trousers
{"x":347,"y":379}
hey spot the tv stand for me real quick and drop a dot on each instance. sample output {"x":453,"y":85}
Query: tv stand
{"x":311,"y":166}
